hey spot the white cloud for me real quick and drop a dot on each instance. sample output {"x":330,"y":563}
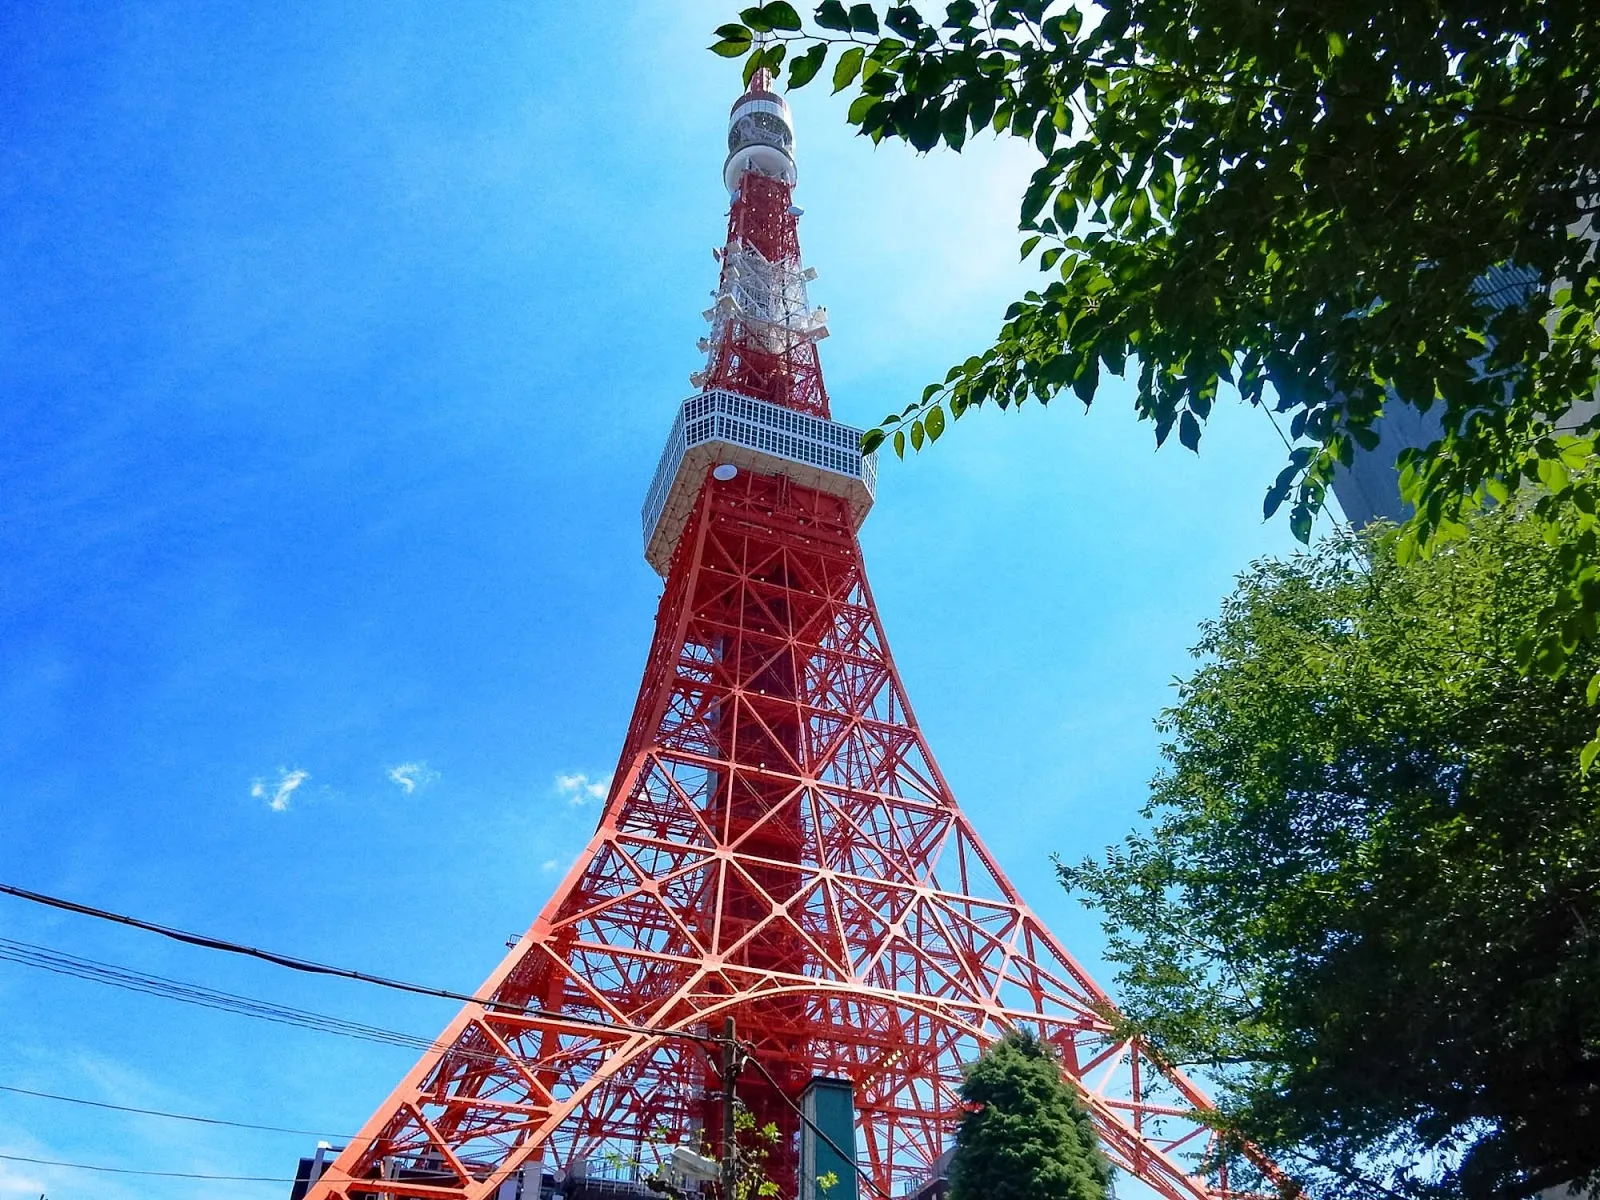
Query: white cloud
{"x":20,"y":1180}
{"x":578,"y":788}
{"x":277,"y":794}
{"x":412,"y":775}
{"x":550,"y":864}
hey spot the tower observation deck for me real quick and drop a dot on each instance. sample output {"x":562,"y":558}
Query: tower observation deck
{"x":778,"y":846}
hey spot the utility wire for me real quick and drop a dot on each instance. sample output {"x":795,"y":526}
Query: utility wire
{"x":46,"y":959}
{"x":311,"y":967}
{"x":51,"y":1162}
{"x":172,"y":1116}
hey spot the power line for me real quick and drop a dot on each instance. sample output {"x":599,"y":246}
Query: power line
{"x":311,"y":967}
{"x":51,"y":1162}
{"x":56,"y":962}
{"x":172,"y":1116}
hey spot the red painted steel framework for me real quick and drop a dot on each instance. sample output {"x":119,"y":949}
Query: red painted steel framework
{"x":778,"y":845}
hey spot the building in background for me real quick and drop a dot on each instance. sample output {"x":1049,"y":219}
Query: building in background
{"x":1369,"y":488}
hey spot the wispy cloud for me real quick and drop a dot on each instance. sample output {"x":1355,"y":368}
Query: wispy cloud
{"x":277,"y":794}
{"x":579,"y":788}
{"x":412,"y":775}
{"x":550,"y":864}
{"x":20,"y":1180}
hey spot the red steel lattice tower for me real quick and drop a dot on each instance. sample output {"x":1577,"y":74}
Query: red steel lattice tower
{"x":778,"y":844}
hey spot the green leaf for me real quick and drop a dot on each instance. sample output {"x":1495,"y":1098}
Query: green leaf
{"x":899,"y":443}
{"x":1028,"y":246}
{"x":805,"y":68}
{"x":1061,"y":31}
{"x":1033,"y":200}
{"x":1300,"y":523}
{"x":922,"y":130}
{"x":887,"y":50}
{"x":863,"y":19}
{"x":1553,"y":474}
{"x":953,"y":124}
{"x":917,"y":435}
{"x":831,"y":14}
{"x":1087,"y":381}
{"x":959,"y":13}
{"x":904,"y":20}
{"x":846,"y":69}
{"x":1189,"y":431}
{"x":859,"y":107}
{"x":934,"y":423}
{"x":871,"y":440}
{"x":780,"y":14}
{"x":1588,"y":754}
{"x":733,"y":40}
{"x":1065,"y":212}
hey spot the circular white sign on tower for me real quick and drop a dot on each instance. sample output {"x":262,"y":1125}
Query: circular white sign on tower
{"x":724,"y":471}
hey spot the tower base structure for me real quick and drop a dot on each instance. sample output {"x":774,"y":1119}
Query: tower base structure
{"x":778,"y":846}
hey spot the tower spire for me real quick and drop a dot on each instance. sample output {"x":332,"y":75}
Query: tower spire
{"x":764,"y":332}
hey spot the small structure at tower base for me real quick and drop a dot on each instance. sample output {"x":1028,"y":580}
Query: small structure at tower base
{"x":829,"y":1106}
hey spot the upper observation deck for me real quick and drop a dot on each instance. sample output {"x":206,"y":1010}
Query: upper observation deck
{"x":717,"y":427}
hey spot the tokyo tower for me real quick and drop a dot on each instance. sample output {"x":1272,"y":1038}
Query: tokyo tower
{"x":778,"y":845}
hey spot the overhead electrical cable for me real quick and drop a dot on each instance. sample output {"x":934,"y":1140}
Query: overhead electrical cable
{"x":76,"y":1166}
{"x":311,"y":967}
{"x":56,"y":962}
{"x":172,"y":1116}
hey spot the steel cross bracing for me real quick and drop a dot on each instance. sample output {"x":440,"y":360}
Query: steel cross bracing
{"x":778,"y":844}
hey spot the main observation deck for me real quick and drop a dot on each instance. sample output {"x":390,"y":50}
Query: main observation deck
{"x":716,"y":427}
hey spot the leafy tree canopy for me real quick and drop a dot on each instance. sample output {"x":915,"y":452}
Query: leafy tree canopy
{"x":1026,"y":1135}
{"x":1368,"y":900}
{"x":1299,"y":193}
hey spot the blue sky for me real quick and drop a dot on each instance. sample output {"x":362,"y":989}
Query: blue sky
{"x":337,"y":343}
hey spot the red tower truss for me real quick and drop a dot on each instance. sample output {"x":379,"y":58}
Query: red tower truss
{"x":778,"y":844}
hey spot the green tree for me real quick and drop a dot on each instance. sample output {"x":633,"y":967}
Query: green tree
{"x":1293,"y":192}
{"x":1026,"y":1135}
{"x":1367,"y":902}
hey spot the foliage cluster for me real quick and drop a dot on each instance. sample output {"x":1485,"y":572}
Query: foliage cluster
{"x":753,"y":1144}
{"x":1026,"y":1135}
{"x":1369,"y":896}
{"x":1298,"y":199}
